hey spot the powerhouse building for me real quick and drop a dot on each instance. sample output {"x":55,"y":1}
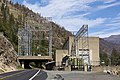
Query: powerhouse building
{"x":92,"y":51}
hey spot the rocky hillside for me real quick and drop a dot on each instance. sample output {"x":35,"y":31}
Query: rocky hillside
{"x":14,"y":16}
{"x":113,"y":39}
{"x":110,"y":50}
{"x":35,"y":20}
{"x":107,"y":44}
{"x":8,"y":57}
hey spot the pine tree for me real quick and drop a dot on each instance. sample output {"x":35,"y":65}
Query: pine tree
{"x":2,"y":7}
{"x":114,"y":57}
{"x":104,"y":58}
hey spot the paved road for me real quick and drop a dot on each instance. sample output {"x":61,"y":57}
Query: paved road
{"x":24,"y":75}
{"x":56,"y":75}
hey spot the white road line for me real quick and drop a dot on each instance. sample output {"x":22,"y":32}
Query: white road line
{"x":34,"y":75}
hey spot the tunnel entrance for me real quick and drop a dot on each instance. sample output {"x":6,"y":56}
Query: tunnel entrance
{"x":29,"y":62}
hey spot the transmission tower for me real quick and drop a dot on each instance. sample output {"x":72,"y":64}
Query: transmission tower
{"x":28,"y":34}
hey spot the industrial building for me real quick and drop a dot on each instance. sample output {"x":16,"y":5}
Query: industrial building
{"x":82,"y":50}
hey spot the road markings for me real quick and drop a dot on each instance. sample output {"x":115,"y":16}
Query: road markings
{"x":12,"y":75}
{"x":34,"y":75}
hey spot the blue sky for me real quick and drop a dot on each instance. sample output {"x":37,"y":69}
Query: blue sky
{"x":102,"y":16}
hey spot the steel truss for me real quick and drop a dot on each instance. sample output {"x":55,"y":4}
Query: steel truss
{"x":27,"y":38}
{"x":81,"y":45}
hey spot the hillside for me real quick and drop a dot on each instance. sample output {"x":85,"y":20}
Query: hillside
{"x":8,"y":57}
{"x":110,"y":50}
{"x":113,"y":39}
{"x":107,"y":44}
{"x":14,"y":16}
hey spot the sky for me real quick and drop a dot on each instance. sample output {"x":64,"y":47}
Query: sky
{"x":101,"y":16}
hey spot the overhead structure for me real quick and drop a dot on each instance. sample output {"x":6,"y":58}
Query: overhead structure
{"x":80,"y":47}
{"x":29,"y":41}
{"x":31,"y":35}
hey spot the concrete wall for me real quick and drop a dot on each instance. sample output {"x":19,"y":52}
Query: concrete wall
{"x":71,"y":40}
{"x":35,"y":58}
{"x":59,"y":55}
{"x":94,"y":50}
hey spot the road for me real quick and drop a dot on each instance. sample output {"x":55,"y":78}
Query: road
{"x":56,"y":75}
{"x":24,"y":75}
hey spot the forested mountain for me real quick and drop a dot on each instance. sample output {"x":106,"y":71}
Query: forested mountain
{"x":110,"y":50}
{"x":15,"y":16}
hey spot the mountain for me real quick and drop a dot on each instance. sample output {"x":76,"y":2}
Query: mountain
{"x":107,"y":44}
{"x":15,"y":16}
{"x":113,"y":39}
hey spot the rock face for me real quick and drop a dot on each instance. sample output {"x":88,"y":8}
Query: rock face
{"x":8,"y":57}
